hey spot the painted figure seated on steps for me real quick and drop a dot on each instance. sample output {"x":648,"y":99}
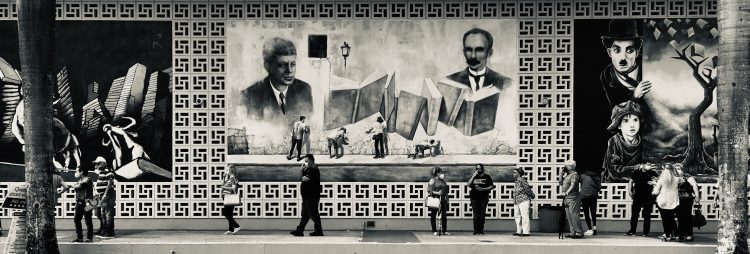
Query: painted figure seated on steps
{"x":125,"y":148}
{"x":432,"y":145}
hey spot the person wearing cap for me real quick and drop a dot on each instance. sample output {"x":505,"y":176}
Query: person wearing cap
{"x":624,"y":150}
{"x":622,"y":78}
{"x":105,"y":188}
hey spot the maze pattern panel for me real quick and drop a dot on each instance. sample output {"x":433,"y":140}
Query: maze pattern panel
{"x":545,"y":103}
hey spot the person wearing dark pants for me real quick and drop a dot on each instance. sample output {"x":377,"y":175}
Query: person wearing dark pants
{"x":310,"y":190}
{"x":590,"y":183}
{"x":641,"y":185}
{"x":378,"y":131}
{"x":687,"y":190}
{"x":84,"y":189}
{"x":105,"y":188}
{"x":480,"y":184}
{"x":667,"y":200}
{"x":230,"y":185}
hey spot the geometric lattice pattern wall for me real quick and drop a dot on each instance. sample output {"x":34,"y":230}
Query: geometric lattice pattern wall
{"x":545,"y":44}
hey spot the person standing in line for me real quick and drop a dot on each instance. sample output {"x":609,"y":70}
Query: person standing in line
{"x":687,"y":190}
{"x":105,"y":188}
{"x":437,"y":187}
{"x":641,"y":185}
{"x":377,"y":131}
{"x":667,"y":200}
{"x":522,"y":196}
{"x":569,"y":183}
{"x":84,"y":189}
{"x":480,"y":184}
{"x":230,"y":185}
{"x":590,"y":183}
{"x":310,"y":190}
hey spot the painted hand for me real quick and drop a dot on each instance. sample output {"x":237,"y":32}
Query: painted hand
{"x":642,"y":89}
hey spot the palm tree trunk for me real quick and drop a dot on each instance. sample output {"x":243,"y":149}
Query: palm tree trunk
{"x":734,"y":107}
{"x":36,"y":20}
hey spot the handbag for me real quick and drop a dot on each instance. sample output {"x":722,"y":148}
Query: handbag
{"x":698,"y":219}
{"x":96,"y":201}
{"x":232,"y":199}
{"x":432,"y":203}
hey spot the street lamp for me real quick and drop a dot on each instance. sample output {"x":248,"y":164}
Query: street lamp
{"x":345,"y":52}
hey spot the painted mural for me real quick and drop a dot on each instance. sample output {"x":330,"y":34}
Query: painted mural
{"x":112,"y":99}
{"x":658,"y":86}
{"x":383,"y":88}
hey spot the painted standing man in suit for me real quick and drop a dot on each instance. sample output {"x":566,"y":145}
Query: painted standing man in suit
{"x":477,"y":50}
{"x":279,"y":97}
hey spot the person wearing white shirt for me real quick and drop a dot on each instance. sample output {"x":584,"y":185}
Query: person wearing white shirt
{"x":378,"y":131}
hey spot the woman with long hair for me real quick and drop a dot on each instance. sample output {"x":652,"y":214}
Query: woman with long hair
{"x":437,"y":187}
{"x":229,"y":185}
{"x":667,"y":200}
{"x":687,"y":190}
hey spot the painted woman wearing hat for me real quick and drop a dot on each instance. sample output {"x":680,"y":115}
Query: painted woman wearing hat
{"x":624,"y":149}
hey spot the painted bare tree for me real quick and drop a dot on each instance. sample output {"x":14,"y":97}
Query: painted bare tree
{"x":36,"y":20}
{"x":696,"y":159}
{"x":734,"y":107}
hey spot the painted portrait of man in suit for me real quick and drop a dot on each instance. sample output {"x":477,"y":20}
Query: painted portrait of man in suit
{"x":477,"y":50}
{"x":279,"y":97}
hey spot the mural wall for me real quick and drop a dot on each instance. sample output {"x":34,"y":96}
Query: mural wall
{"x":413,"y":75}
{"x":552,"y":98}
{"x":654,"y":96}
{"x":112,"y":99}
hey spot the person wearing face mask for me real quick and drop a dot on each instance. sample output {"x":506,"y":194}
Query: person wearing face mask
{"x":437,"y":187}
{"x":569,"y":185}
{"x":310,"y":190}
{"x":624,"y":150}
{"x":480,"y":184}
{"x":477,"y":48}
{"x":84,"y":189}
{"x":522,"y":196}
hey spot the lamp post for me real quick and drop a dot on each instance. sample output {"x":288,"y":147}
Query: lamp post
{"x":345,"y":52}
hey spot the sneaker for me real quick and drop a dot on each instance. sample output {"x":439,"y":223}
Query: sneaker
{"x":77,"y":240}
{"x":689,"y":239}
{"x":237,"y":229}
{"x":589,"y":232}
{"x":316,"y":233}
{"x":446,"y":233}
{"x":296,"y":233}
{"x":645,"y":235}
{"x":227,"y":232}
{"x":434,"y":233}
{"x":88,"y":240}
{"x":289,"y":157}
{"x":526,"y":235}
{"x":516,"y":234}
{"x":630,"y":233}
{"x":107,"y":236}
